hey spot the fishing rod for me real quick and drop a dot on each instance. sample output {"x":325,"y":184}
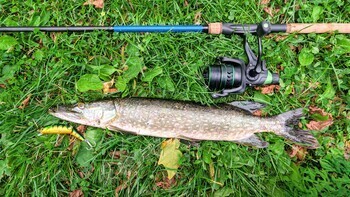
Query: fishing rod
{"x":227,"y":75}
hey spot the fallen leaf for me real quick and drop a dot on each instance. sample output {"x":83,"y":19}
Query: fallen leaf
{"x":117,"y":154}
{"x":122,"y":186}
{"x":347,"y":150}
{"x":107,"y":86}
{"x":186,"y":3}
{"x":25,"y":102}
{"x":259,"y":113}
{"x":76,"y":193}
{"x":271,"y":11}
{"x":319,"y":124}
{"x":197,"y":18}
{"x":113,"y":90}
{"x":268,"y":89}
{"x":166,"y":183}
{"x":264,"y":2}
{"x":170,"y":156}
{"x":298,"y":151}
{"x":2,"y":86}
{"x":81,"y":129}
{"x":316,"y":110}
{"x":96,"y":3}
{"x":280,"y":37}
{"x":81,"y":174}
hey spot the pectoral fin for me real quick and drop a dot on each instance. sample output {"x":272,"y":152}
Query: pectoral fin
{"x":247,"y":106}
{"x":253,"y":140}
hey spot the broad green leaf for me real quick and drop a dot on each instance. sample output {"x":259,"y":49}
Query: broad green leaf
{"x":170,"y":156}
{"x":316,"y":13}
{"x":120,"y":84}
{"x":85,"y":155}
{"x":329,"y":92}
{"x":305,"y":57}
{"x":169,"y":84}
{"x":207,"y":157}
{"x":38,"y":54}
{"x":262,"y":98}
{"x":166,"y":83}
{"x":132,"y":50}
{"x":8,"y":72}
{"x":4,"y":168}
{"x":106,"y":71}
{"x":223,"y":192}
{"x":343,"y":45}
{"x":149,"y":75}
{"x":99,"y":60}
{"x":135,"y":65}
{"x":89,"y":82}
{"x":6,"y":42}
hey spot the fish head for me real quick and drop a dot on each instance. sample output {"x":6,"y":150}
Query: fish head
{"x":96,"y":114}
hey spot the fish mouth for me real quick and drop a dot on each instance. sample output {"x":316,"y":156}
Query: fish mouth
{"x":67,"y":114}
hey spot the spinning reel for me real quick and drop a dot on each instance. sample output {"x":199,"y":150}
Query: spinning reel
{"x":232,"y":75}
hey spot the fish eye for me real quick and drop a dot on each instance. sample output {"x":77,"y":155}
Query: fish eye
{"x":80,"y":105}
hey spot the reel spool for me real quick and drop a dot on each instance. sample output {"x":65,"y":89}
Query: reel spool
{"x":232,"y":75}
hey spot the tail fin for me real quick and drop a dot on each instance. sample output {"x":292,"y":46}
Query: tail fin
{"x":289,"y":120}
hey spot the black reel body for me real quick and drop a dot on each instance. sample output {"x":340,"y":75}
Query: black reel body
{"x":231,"y":75}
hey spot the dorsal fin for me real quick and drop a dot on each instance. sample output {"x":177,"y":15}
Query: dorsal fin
{"x":247,"y":106}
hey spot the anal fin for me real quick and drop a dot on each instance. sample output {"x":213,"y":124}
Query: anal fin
{"x":254,"y":141}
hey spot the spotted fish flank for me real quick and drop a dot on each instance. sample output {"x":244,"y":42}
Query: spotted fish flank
{"x":185,"y":120}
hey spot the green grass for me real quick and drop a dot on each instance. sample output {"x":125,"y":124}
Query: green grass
{"x":48,"y":66}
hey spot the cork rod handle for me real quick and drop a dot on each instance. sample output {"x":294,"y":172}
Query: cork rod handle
{"x":305,"y":28}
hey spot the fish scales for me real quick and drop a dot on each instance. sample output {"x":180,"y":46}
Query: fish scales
{"x":189,"y":121}
{"x":186,"y":120}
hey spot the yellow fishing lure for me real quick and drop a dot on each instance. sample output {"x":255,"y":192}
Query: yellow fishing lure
{"x":64,"y":130}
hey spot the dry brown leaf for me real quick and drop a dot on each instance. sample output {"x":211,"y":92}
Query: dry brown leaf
{"x":25,"y":102}
{"x":319,"y":125}
{"x":117,"y":154}
{"x":2,"y":86}
{"x":298,"y":151}
{"x":317,"y":110}
{"x":347,"y":150}
{"x":257,"y":112}
{"x":96,"y":3}
{"x":112,"y":90}
{"x":81,"y":174}
{"x":268,"y":89}
{"x":76,"y":193}
{"x":197,"y":18}
{"x":264,"y":2}
{"x":186,"y":3}
{"x":107,"y":86}
{"x":166,"y":183}
{"x":271,"y":11}
{"x":280,"y":37}
{"x":122,"y":186}
{"x":81,"y":129}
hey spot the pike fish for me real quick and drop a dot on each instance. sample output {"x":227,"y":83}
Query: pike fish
{"x":186,"y":120}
